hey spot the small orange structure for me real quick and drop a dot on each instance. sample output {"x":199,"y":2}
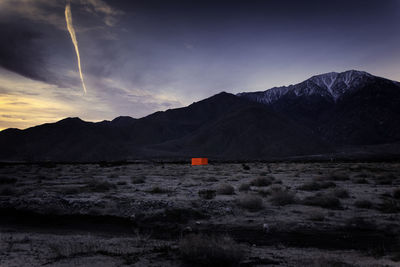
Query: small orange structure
{"x":199,"y":161}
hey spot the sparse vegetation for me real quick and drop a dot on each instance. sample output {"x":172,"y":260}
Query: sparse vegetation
{"x":341,"y":193}
{"x":389,"y":206}
{"x":225,"y":189}
{"x":202,"y":250}
{"x":282,"y":198}
{"x":138,"y":180}
{"x":338,"y":176}
{"x":244,"y":187}
{"x":363,"y":204}
{"x":261,"y":181}
{"x":207,"y":194}
{"x":315,"y":186}
{"x":316,"y":216}
{"x":245,"y":167}
{"x":250,"y":202}
{"x":385,"y":179}
{"x":158,"y":190}
{"x":323,"y":201}
{"x":100,"y":186}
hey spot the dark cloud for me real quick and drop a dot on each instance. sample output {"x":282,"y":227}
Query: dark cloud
{"x":20,"y":51}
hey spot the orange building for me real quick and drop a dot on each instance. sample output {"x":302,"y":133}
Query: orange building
{"x":199,"y":161}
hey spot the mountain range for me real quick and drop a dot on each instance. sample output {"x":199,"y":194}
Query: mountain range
{"x":348,"y":113}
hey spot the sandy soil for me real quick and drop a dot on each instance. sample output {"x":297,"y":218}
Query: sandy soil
{"x":280,"y":214}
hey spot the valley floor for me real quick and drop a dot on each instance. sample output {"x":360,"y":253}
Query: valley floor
{"x":253,"y":214}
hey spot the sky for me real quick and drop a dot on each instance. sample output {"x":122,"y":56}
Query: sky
{"x":139,"y":57}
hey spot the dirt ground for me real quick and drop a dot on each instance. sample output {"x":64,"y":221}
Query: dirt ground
{"x":154,"y":214}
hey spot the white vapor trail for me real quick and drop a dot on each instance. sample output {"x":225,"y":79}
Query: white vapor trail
{"x":70,"y":26}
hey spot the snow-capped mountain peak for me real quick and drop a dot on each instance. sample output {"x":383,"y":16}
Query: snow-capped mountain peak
{"x":331,"y":85}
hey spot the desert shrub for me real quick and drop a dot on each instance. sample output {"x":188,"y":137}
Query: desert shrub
{"x":157,"y":190}
{"x":8,"y":191}
{"x":251,"y":203}
{"x":100,"y":186}
{"x":338,"y":176}
{"x":122,"y":183}
{"x":340,"y":193}
{"x":245,"y":167}
{"x":202,"y":250}
{"x":396,"y":193}
{"x":282,"y":198}
{"x":261,"y":181}
{"x":207,"y":193}
{"x":323,"y":201}
{"x":225,"y":189}
{"x":389,"y":206}
{"x":7,"y":180}
{"x":138,"y":180}
{"x":315,"y":186}
{"x":363,"y":204}
{"x":264,"y":193}
{"x":244,"y":187}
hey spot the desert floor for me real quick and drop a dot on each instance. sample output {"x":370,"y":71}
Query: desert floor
{"x":154,"y":214}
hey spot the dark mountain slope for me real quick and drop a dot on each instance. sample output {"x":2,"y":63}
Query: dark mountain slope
{"x":223,"y":125}
{"x":349,"y":108}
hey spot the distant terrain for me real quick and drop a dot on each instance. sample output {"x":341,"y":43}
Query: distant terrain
{"x":348,"y":115}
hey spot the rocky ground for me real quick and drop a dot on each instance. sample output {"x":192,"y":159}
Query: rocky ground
{"x":153,"y":214}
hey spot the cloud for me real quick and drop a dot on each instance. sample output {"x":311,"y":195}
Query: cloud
{"x":20,"y":51}
{"x":51,"y":11}
{"x":99,"y":6}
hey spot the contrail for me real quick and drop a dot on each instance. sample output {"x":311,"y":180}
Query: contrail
{"x":68,"y":18}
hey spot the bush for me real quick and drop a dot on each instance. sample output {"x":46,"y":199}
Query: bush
{"x":261,"y":181}
{"x":244,"y":187}
{"x":315,"y":186}
{"x":207,"y":194}
{"x":341,"y":193}
{"x":251,"y":203}
{"x":282,"y":198}
{"x":245,"y":167}
{"x":363,"y":204}
{"x":323,"y":201}
{"x":205,"y":250}
{"x":225,"y":189}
